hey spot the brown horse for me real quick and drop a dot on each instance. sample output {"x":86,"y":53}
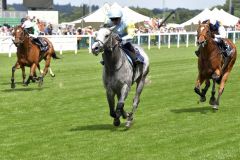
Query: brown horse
{"x":29,"y":54}
{"x":212,"y":64}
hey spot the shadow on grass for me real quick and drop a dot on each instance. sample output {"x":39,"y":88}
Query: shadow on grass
{"x":9,"y":83}
{"x":23,"y":89}
{"x":94,"y":127}
{"x":202,"y":110}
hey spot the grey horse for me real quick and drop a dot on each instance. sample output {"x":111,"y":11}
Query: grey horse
{"x":119,"y":75}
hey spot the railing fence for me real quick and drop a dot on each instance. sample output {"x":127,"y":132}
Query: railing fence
{"x":75,"y":42}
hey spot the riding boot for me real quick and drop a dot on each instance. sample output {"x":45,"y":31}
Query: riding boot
{"x":43,"y":47}
{"x":132,"y":54}
{"x":227,"y":49}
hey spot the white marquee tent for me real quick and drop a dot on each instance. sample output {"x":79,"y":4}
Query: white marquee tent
{"x":99,"y":16}
{"x":216,"y":14}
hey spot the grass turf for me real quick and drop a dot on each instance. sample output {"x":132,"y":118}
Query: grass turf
{"x":68,"y":118}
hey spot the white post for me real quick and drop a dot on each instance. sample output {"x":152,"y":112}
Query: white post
{"x":76,"y":45}
{"x":159,"y":41}
{"x":178,"y":38}
{"x":149,"y":41}
{"x":234,"y":37}
{"x":90,"y":44}
{"x":187,"y":40}
{"x":169,"y":40}
{"x":195,"y":43}
{"x":9,"y":52}
{"x":139,"y":40}
{"x":60,"y":49}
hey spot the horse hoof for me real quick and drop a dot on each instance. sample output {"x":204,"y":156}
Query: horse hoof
{"x":124,"y":115}
{"x":116,"y":122}
{"x":25,"y":84}
{"x":128,"y":124}
{"x":52,"y":75}
{"x":202,"y":99}
{"x":13,"y":85}
{"x":40,"y":83}
{"x":212,"y":101}
{"x":215,"y":107}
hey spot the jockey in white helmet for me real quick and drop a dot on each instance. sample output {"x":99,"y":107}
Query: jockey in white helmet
{"x":33,"y":32}
{"x":124,"y":30}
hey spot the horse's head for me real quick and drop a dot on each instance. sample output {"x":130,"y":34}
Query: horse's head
{"x":103,"y":40}
{"x":18,"y":35}
{"x":203,"y":33}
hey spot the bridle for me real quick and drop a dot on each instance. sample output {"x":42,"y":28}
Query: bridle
{"x":205,"y":35}
{"x":22,"y":36}
{"x":105,"y":45}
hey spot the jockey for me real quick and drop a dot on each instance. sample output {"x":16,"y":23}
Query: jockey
{"x":125,"y":32}
{"x":219,"y":37}
{"x":33,"y":32}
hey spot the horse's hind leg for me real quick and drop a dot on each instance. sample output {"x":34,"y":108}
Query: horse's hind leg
{"x":51,"y":72}
{"x":221,"y":89}
{"x":136,"y":101}
{"x":45,"y":70}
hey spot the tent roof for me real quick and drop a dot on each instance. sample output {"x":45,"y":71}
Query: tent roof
{"x":216,"y":14}
{"x":100,"y":14}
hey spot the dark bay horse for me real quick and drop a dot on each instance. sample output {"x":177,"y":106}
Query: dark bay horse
{"x":119,"y":75}
{"x":29,"y":54}
{"x":212,"y":64}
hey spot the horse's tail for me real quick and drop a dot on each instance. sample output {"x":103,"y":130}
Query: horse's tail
{"x":54,"y":55}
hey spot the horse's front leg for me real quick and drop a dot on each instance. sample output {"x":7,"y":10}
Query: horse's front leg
{"x":13,"y":85}
{"x":32,"y":70}
{"x":23,"y":73}
{"x":197,"y":88}
{"x":121,"y":100}
{"x":111,"y":104}
{"x":213,"y":99}
{"x":136,"y":100}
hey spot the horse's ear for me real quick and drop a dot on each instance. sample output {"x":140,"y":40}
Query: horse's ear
{"x":208,"y":22}
{"x":112,"y":28}
{"x":199,"y":22}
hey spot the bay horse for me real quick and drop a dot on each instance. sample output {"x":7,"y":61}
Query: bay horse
{"x":29,"y":54}
{"x":119,"y":74}
{"x":212,"y":64}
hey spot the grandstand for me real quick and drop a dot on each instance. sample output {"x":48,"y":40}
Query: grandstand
{"x":13,"y":18}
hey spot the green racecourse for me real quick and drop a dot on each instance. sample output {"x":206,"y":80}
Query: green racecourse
{"x":68,"y":118}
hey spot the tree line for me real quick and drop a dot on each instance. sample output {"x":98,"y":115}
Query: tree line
{"x":69,"y":13}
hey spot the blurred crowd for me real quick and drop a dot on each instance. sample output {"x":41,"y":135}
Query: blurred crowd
{"x":154,"y":25}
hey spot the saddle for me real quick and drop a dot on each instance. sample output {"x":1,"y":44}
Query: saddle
{"x":128,"y":53}
{"x":41,"y":43}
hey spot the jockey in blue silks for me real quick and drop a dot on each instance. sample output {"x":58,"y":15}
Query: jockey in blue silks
{"x":125,"y":32}
{"x":221,"y":33}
